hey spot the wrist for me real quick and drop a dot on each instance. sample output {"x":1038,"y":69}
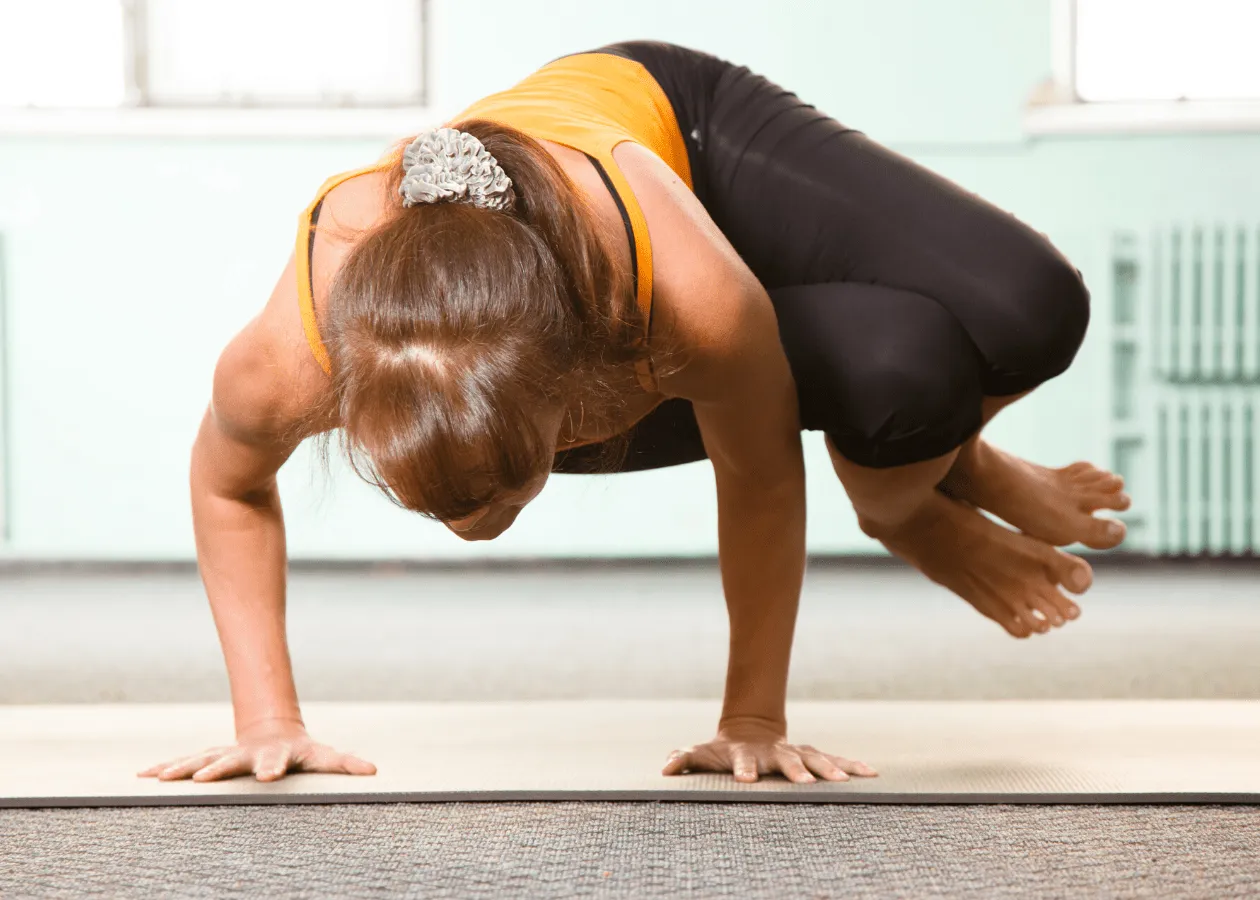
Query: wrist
{"x":271,"y":726}
{"x":731,"y":725}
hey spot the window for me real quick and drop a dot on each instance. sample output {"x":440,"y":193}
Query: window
{"x":46,"y":62}
{"x":1166,"y":50}
{"x":211,"y":53}
{"x":1151,"y":65}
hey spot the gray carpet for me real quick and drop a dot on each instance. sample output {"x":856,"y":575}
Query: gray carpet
{"x":865,"y":632}
{"x":633,"y":851}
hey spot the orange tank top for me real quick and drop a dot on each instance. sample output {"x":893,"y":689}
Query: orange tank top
{"x":590,"y":102}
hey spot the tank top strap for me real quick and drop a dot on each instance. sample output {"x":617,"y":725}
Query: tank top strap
{"x":640,"y":247}
{"x":304,"y":253}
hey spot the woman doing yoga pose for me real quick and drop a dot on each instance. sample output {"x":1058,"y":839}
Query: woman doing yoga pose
{"x":644,"y":256}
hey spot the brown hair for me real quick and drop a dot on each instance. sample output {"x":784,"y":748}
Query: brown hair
{"x":449,"y":327}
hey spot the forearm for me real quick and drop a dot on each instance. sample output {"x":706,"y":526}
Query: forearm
{"x":242,"y":557}
{"x":761,"y":534}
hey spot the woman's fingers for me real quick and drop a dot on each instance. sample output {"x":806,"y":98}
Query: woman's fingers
{"x":853,"y":766}
{"x":178,"y":769}
{"x":790,"y":765}
{"x":801,"y":764}
{"x":679,"y":762}
{"x":743,"y":763}
{"x":322,"y":758}
{"x":229,"y":765}
{"x":353,"y":765}
{"x":268,"y":760}
{"x":152,"y":771}
{"x":272,"y":762}
{"x":822,"y":764}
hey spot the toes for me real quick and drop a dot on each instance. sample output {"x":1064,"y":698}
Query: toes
{"x":1070,"y":571}
{"x":1003,"y":616}
{"x":1013,"y":623}
{"x":1117,"y":500}
{"x":1108,"y":482}
{"x":1088,"y":473}
{"x":1029,"y":620}
{"x":1102,"y":534}
{"x":1049,"y":610}
{"x":1062,"y":606}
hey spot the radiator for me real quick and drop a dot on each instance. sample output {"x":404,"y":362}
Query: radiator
{"x":1185,"y":325}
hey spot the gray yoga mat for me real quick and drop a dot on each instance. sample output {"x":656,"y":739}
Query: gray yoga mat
{"x":1070,"y":751}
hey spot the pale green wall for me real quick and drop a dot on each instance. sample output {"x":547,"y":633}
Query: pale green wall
{"x":132,"y":261}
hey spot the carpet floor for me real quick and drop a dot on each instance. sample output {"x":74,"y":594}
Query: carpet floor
{"x":640,"y":850}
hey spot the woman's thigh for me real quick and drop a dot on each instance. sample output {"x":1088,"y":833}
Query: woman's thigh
{"x":889,"y":375}
{"x":806,"y":200}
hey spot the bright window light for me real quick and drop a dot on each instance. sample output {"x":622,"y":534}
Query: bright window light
{"x":61,"y":53}
{"x":284,"y":52}
{"x":201,"y":53}
{"x":1167,"y":49}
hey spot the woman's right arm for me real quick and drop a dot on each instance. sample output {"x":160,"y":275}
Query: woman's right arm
{"x":239,"y":528}
{"x":262,"y":387}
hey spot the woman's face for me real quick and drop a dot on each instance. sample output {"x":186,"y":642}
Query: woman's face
{"x":492,"y":520}
{"x":495,"y":518}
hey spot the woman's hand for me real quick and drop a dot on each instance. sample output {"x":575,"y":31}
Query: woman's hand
{"x":267,"y":751}
{"x":749,"y":752}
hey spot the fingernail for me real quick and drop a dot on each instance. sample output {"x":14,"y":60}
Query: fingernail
{"x":1115,"y":529}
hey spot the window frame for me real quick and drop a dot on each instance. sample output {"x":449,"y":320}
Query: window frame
{"x":137,"y":116}
{"x":1057,"y":109}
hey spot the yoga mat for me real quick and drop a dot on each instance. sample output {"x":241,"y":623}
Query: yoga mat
{"x":1145,"y":751}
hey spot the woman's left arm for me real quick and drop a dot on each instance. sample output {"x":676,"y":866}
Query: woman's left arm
{"x":715,"y":320}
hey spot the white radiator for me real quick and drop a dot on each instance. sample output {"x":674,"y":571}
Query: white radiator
{"x":1185,"y":321}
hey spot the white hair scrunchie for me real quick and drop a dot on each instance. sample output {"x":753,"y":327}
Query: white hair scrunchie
{"x":451,"y":165}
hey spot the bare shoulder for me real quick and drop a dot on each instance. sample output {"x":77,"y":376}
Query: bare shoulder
{"x":349,"y":211}
{"x":267,"y":379}
{"x":709,"y":310}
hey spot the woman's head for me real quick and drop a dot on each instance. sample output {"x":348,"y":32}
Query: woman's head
{"x":459,"y":335}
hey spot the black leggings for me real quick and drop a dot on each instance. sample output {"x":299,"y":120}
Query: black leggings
{"x":902,"y":299}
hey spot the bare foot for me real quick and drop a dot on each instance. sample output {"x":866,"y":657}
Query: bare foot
{"x":1008,"y":577}
{"x":1055,"y":505}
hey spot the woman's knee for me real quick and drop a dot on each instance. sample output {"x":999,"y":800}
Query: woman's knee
{"x":1041,"y":313}
{"x":890,"y":376}
{"x":907,"y":411}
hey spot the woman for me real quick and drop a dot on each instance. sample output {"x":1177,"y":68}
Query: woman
{"x":639,"y":257}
